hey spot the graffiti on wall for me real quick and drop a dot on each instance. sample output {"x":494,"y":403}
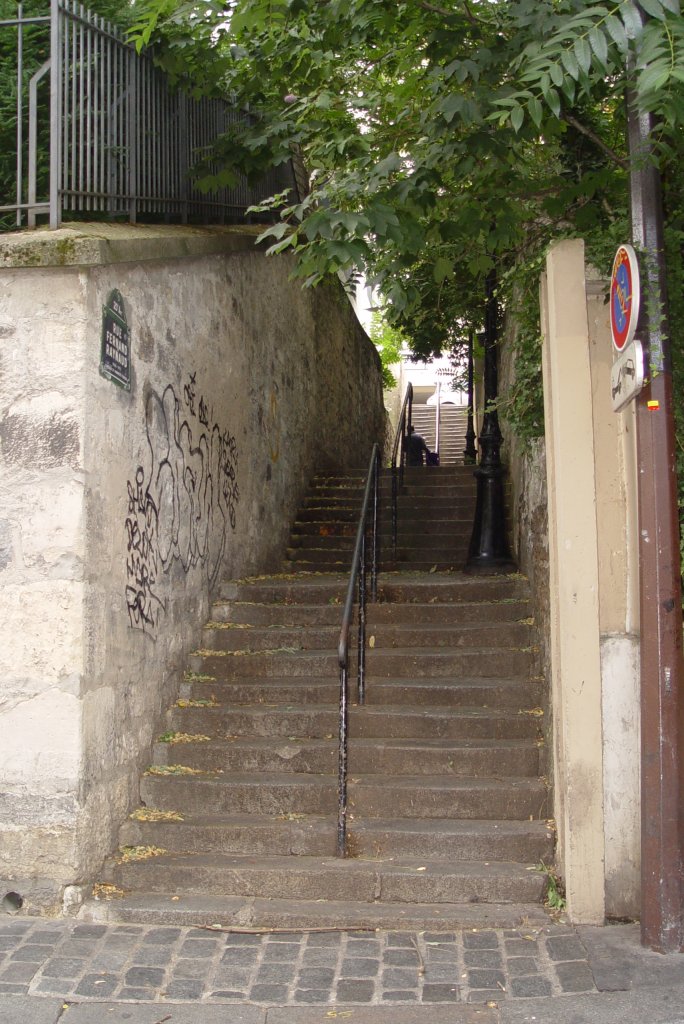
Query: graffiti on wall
{"x":179,"y":510}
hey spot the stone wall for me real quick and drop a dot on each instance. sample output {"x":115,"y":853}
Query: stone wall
{"x":121,"y":510}
{"x":527,"y":523}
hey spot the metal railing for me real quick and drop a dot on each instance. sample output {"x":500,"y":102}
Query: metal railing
{"x":100,"y":130}
{"x":369,"y":508}
{"x":399,"y":452}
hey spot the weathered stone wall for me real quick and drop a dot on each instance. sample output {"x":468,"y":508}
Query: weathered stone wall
{"x":121,"y":510}
{"x":528,"y":531}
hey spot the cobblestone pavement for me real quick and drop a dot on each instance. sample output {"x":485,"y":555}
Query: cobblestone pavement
{"x":72,"y":960}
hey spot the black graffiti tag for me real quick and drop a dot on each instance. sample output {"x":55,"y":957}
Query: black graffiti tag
{"x":180,"y":510}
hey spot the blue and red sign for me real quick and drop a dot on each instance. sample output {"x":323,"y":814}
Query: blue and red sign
{"x":624,"y":297}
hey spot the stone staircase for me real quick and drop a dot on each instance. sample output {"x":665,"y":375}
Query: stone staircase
{"x":435,"y":521}
{"x":238,"y":813}
{"x":453,"y":422}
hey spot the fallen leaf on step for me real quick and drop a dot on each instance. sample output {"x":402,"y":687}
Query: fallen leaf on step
{"x":371,"y":642}
{"x":421,"y":869}
{"x":433,"y":569}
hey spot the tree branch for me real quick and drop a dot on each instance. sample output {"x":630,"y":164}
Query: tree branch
{"x":426,"y":5}
{"x":597,"y":140}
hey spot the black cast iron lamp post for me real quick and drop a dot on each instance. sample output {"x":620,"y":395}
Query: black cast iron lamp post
{"x":470,"y":451}
{"x":488,"y":551}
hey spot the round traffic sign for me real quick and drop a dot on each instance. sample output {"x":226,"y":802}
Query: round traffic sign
{"x":624,"y":297}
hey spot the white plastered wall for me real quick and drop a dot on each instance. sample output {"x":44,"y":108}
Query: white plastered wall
{"x":594,"y":642}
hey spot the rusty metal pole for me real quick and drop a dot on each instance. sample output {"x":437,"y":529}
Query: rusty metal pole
{"x":662,"y":669}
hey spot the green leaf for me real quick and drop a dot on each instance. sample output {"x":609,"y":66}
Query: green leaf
{"x":451,"y":105}
{"x":274,"y":231}
{"x":553,"y":100}
{"x":653,"y":79}
{"x":570,"y":63}
{"x":583,"y":53}
{"x":517,"y":118}
{"x":617,"y":32}
{"x":385,"y":167}
{"x":442,"y":269}
{"x":631,"y":19}
{"x":599,"y":44}
{"x":556,"y":73}
{"x":536,"y":110}
{"x":654,"y":8}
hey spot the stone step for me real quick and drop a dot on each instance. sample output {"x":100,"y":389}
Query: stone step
{"x":170,"y":908}
{"x":305,"y":588}
{"x":512,"y":693}
{"x":440,"y":797}
{"x":385,"y":635}
{"x":380,"y":663}
{"x":417,"y":472}
{"x":330,"y":614}
{"x":496,"y":758}
{"x":308,"y":878}
{"x":338,"y":549}
{"x":328,"y":526}
{"x":441,"y":506}
{"x":413,"y":515}
{"x":461,"y":491}
{"x":453,"y":536}
{"x":371,"y":721}
{"x":316,"y":835}
{"x":386,"y":564}
{"x":409,"y":796}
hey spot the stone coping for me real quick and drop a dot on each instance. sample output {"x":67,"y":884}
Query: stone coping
{"x":90,"y":244}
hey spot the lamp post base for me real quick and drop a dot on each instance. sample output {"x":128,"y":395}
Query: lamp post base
{"x":488,"y":551}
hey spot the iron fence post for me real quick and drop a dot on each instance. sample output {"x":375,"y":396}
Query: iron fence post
{"x":132,"y":153}
{"x":55,"y":114}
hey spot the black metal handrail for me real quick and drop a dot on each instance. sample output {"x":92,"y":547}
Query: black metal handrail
{"x":358,"y":572}
{"x":400,"y":450}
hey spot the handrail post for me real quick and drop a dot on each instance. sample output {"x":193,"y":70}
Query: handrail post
{"x":399,"y":450}
{"x":395,"y":495}
{"x":362,"y":624}
{"x":376,"y":536}
{"x":342,"y":765}
{"x":358,"y":569}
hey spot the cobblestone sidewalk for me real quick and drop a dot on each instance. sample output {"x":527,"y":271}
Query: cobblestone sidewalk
{"x":145,"y":963}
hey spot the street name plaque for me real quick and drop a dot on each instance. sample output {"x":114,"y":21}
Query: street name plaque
{"x":115,"y":352}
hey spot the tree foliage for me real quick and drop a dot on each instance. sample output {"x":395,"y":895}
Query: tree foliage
{"x":390,"y":343}
{"x":442,"y":138}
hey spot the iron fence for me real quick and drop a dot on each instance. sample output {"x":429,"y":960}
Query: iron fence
{"x":100,"y":131}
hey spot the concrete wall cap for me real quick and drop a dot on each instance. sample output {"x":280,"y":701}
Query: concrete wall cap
{"x":82,"y":245}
